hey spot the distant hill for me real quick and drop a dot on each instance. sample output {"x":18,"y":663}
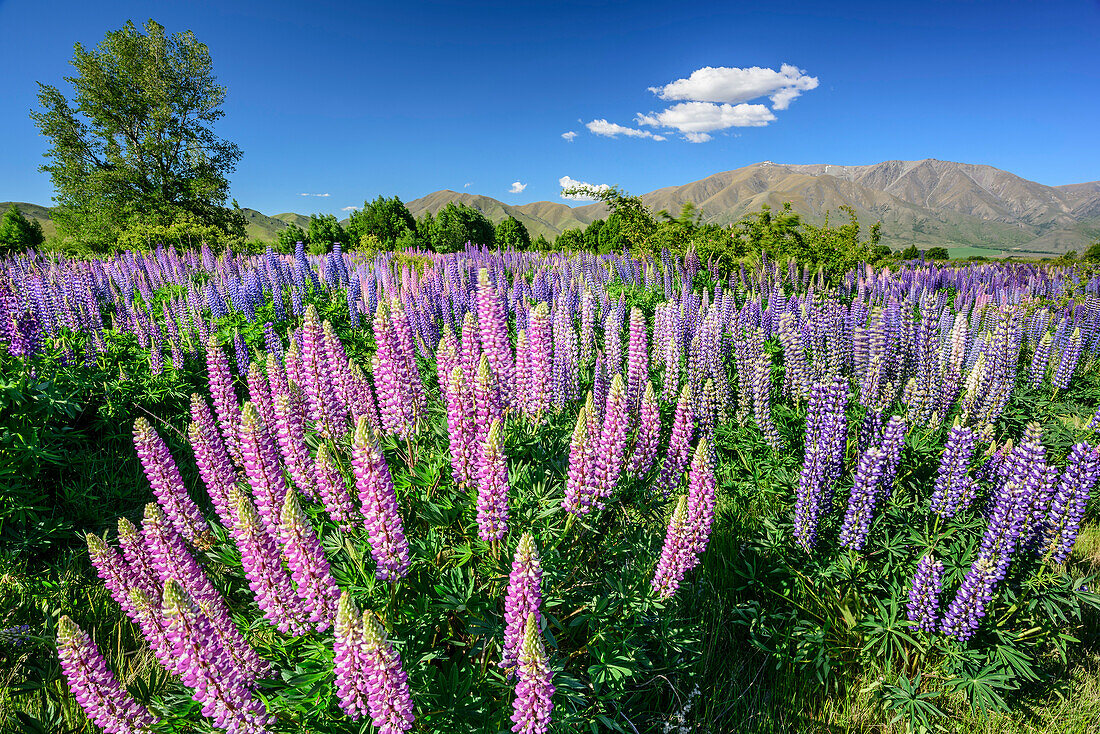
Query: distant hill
{"x":925,"y":203}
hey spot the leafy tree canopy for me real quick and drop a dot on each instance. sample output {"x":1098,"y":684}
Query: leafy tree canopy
{"x":17,"y":232}
{"x":456,"y":224}
{"x":324,"y":231}
{"x":289,"y":237}
{"x":136,"y":142}
{"x":937,"y":253}
{"x":385,"y":219}
{"x":510,"y":232}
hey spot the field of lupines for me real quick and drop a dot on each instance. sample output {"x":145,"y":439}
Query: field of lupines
{"x":514,"y":491}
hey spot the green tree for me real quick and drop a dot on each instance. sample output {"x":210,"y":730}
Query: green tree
{"x":1092,"y":254}
{"x":324,"y":231}
{"x":541,"y":243}
{"x":909,"y":253}
{"x":636,"y":222}
{"x":289,"y":237}
{"x":136,"y":143}
{"x":510,"y":232}
{"x":937,"y":253}
{"x":384,"y":218}
{"x":570,"y":239}
{"x":456,"y":224}
{"x":17,"y":232}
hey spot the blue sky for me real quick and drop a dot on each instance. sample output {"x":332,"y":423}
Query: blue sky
{"x":352,"y":100}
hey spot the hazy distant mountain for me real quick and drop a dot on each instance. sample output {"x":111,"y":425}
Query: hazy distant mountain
{"x":926,"y":203}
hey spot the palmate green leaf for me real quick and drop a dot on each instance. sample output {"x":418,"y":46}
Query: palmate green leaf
{"x":910,"y":705}
{"x":983,"y":689}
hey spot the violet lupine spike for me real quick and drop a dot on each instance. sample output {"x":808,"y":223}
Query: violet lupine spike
{"x":140,"y":562}
{"x":307,"y":563}
{"x":578,"y":496}
{"x":689,"y":527}
{"x":866,"y":491}
{"x":541,"y":351}
{"x":493,"y":330}
{"x":333,"y":490}
{"x":361,"y":396}
{"x":339,"y":376}
{"x":649,"y":434}
{"x":315,"y":376}
{"x":202,"y":664}
{"x":215,"y":467}
{"x":826,"y":428}
{"x":637,"y":359}
{"x":154,"y":627}
{"x":107,"y":704}
{"x":117,"y":576}
{"x":226,"y":407}
{"x":611,"y":448}
{"x":167,"y":484}
{"x":955,"y":489}
{"x":679,"y":443}
{"x":761,"y":386}
{"x":394,"y":412}
{"x":263,"y":567}
{"x":259,"y":394}
{"x":534,"y":690}
{"x":378,"y":500}
{"x":1067,"y":361}
{"x":461,"y":426}
{"x":290,"y":430}
{"x":893,"y":441}
{"x":966,"y":609}
{"x":492,"y":489}
{"x":1067,"y":506}
{"x":352,"y":685}
{"x":923,"y":607}
{"x":1040,"y":360}
{"x":173,"y":562}
{"x":389,"y":700}
{"x":524,"y":597}
{"x":260,"y":459}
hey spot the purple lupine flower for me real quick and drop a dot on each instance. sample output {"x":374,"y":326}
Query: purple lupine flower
{"x":307,"y":563}
{"x":488,"y":405}
{"x":689,"y":527}
{"x":117,"y":576}
{"x":676,"y":459}
{"x":578,"y":499}
{"x":290,"y":430}
{"x":94,"y":686}
{"x":493,"y":331}
{"x":352,"y":685}
{"x":143,"y":575}
{"x":540,"y":350}
{"x":261,"y":468}
{"x":492,"y":487}
{"x":361,"y":396}
{"x":826,"y":434}
{"x":167,"y":484}
{"x":649,"y":434}
{"x":611,"y":448}
{"x":534,"y":690}
{"x":172,"y":561}
{"x":761,"y":387}
{"x":315,"y":376}
{"x":524,"y":597}
{"x":389,"y":700}
{"x":461,"y":425}
{"x":1067,"y":506}
{"x":637,"y":359}
{"x":226,"y":407}
{"x":924,"y":594}
{"x":1067,"y":361}
{"x":263,"y":567}
{"x":396,"y":414}
{"x":154,"y":627}
{"x":893,"y":441}
{"x":1040,"y":360}
{"x":212,"y":457}
{"x":203,"y":665}
{"x":955,"y":489}
{"x":339,"y":375}
{"x":259,"y":394}
{"x":960,"y":621}
{"x":378,"y":499}
{"x":866,"y":491}
{"x":523,"y":372}
{"x":333,"y":490}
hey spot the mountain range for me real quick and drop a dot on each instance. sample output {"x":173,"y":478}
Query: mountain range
{"x":969,"y":208}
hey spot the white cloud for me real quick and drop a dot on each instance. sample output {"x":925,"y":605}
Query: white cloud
{"x":568,"y":137}
{"x":570,"y":183}
{"x":351,"y":208}
{"x":612,"y":129}
{"x":704,"y":117}
{"x":468,"y":184}
{"x":322,"y":195}
{"x":698,"y":137}
{"x":517,"y":187}
{"x":732,"y":85}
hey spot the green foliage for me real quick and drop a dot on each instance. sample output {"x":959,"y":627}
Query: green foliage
{"x":385,"y":219}
{"x":937,"y":253}
{"x":455,"y":225}
{"x":324,"y":232}
{"x":135,"y":146}
{"x":17,"y":232}
{"x":1093,"y":253}
{"x":541,"y":243}
{"x":570,"y":240}
{"x":290,"y":237}
{"x":510,"y":232}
